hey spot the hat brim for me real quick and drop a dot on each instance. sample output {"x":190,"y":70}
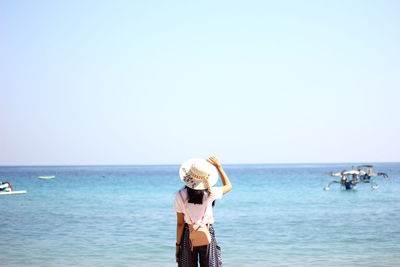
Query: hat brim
{"x":198,"y":185}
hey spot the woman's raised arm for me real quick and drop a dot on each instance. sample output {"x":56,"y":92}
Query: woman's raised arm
{"x":224,"y":178}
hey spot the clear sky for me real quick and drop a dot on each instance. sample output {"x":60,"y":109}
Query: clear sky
{"x":158,"y":82}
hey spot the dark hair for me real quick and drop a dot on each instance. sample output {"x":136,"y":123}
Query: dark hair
{"x":196,"y":196}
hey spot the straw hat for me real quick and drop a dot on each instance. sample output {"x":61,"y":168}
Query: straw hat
{"x":198,"y":174}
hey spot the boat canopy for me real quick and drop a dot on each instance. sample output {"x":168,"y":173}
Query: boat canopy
{"x":350,"y":172}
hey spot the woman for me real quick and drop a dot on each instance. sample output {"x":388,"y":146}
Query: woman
{"x":193,"y":204}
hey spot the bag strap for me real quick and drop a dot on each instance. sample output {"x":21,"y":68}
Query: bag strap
{"x":187,"y":211}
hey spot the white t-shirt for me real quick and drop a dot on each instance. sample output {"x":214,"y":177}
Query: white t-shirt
{"x":196,"y":211}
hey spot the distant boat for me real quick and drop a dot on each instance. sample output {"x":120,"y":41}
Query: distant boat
{"x":359,"y":174}
{"x":46,"y":177}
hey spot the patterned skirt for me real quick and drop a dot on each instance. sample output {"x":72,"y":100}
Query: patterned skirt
{"x":206,"y":256}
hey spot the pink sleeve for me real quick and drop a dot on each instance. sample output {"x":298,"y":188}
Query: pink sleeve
{"x":217,"y":192}
{"x":178,"y":203}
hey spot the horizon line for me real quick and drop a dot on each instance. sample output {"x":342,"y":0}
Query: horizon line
{"x":169,"y":164}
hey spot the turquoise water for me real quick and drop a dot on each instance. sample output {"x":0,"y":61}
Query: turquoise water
{"x":276,"y":215}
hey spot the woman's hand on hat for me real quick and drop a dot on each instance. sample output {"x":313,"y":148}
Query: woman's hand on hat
{"x":214,"y":161}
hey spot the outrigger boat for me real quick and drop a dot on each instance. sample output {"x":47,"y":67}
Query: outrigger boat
{"x":351,"y":178}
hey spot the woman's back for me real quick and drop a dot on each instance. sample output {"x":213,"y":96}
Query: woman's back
{"x":195,"y":212}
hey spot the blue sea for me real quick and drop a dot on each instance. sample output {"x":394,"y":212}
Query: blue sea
{"x":276,"y":215}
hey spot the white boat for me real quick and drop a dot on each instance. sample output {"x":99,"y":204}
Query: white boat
{"x":46,"y":177}
{"x":359,"y":174}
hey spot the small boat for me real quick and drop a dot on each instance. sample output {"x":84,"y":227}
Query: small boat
{"x":359,"y":174}
{"x":46,"y":177}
